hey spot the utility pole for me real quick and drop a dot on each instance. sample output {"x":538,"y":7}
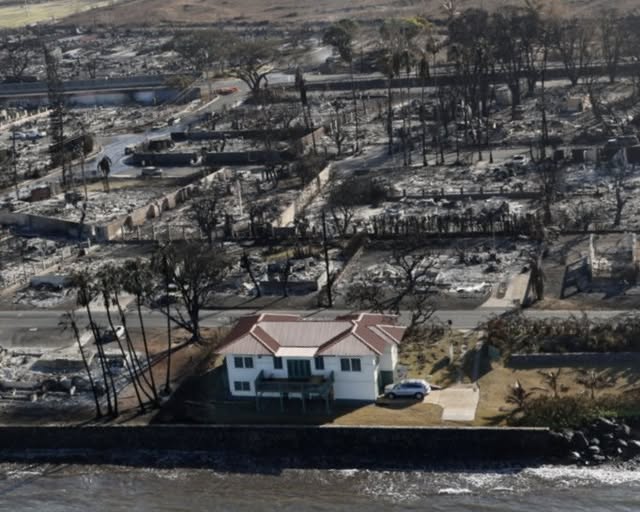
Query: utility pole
{"x":82,"y":161}
{"x":55,"y":95}
{"x":326,"y":260}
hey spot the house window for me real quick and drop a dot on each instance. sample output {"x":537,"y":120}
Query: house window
{"x":241,"y":385}
{"x":277,"y":363}
{"x":319,"y":362}
{"x":243,"y":362}
{"x":350,"y":365}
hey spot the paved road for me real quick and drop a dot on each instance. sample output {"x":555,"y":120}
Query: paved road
{"x":13,"y":324}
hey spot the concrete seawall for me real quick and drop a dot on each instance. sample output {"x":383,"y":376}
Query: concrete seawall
{"x":334,"y":445}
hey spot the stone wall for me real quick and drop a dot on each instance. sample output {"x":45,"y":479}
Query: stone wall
{"x":335,"y":445}
{"x":573,"y":359}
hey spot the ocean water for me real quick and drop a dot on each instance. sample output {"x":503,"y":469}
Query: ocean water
{"x":64,"y":487}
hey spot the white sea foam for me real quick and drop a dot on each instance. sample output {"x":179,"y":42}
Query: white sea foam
{"x":455,"y":491}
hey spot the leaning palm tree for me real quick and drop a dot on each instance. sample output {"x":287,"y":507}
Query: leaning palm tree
{"x":69,"y":321}
{"x":138,"y":281}
{"x":107,"y":285}
{"x":138,"y":372}
{"x":86,"y":292}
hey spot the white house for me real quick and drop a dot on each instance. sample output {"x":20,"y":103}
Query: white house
{"x":276,"y":355}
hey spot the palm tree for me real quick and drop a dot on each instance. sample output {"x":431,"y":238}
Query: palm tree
{"x":69,"y":320}
{"x":107,"y":286}
{"x":594,"y":380}
{"x":518,"y":396}
{"x":552,"y":380}
{"x":118,"y":286}
{"x":86,"y":293}
{"x":137,"y":280}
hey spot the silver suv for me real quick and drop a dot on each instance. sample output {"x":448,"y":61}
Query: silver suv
{"x":414,"y":388}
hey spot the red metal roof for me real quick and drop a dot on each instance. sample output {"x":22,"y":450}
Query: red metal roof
{"x":274,"y":331}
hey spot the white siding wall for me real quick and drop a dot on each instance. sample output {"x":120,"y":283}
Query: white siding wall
{"x":244,"y":374}
{"x":389,"y":359}
{"x":362,"y":385}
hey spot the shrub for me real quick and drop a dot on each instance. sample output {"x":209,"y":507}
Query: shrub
{"x":574,"y":411}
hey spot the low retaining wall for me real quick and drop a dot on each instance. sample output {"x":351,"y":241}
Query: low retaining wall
{"x":575,"y":359}
{"x":306,"y":196}
{"x":47,"y":225}
{"x":336,"y":445}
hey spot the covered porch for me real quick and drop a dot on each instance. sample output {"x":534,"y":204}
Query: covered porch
{"x":306,"y":387}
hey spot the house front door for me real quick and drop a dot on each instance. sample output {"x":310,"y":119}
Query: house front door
{"x":299,"y":368}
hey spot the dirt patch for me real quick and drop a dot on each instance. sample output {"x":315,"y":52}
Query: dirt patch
{"x":155,"y":12}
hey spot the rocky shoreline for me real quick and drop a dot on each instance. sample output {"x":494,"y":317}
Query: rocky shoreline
{"x":606,"y":440}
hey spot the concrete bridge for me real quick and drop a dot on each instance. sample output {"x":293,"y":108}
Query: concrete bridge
{"x":146,"y":90}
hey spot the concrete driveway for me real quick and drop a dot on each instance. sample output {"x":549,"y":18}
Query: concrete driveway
{"x":458,"y":402}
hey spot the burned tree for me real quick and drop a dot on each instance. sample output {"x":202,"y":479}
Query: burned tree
{"x":340,"y":36}
{"x":18,"y":56}
{"x":550,"y":177}
{"x":337,"y":131}
{"x":247,"y":265}
{"x":342,"y":205}
{"x":411,"y":287}
{"x":344,"y":196}
{"x":619,"y":172}
{"x":195,"y":271}
{"x":508,"y":29}
{"x":206,"y":213}
{"x":612,"y":33}
{"x":572,"y":40}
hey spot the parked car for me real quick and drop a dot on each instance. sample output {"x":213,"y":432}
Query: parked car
{"x":110,"y":335}
{"x":413,"y":388}
{"x":151,"y":172}
{"x":520,"y":160}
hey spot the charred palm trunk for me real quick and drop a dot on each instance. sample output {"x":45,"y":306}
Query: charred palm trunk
{"x":92,"y":383}
{"x":137,"y":369}
{"x":109,"y":384}
{"x":105,"y":294}
{"x":146,"y":348}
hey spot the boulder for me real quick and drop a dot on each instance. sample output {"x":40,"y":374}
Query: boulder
{"x":604,"y":426}
{"x":608,"y":438}
{"x":575,"y":457}
{"x":594,"y":441}
{"x":633,"y":447}
{"x":623,"y":431}
{"x":560,"y":442}
{"x":599,"y":459}
{"x":579,"y":441}
{"x":594,"y":449}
